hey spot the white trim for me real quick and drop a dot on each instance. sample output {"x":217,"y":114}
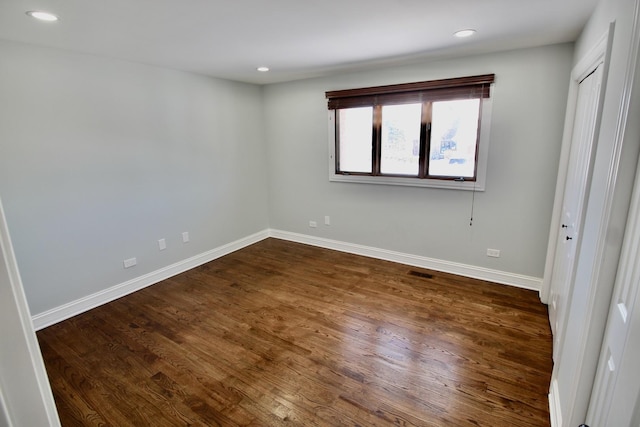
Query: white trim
{"x":600,"y":400}
{"x":554,"y":405}
{"x":45,"y":402}
{"x":593,"y":58}
{"x":506,"y":278}
{"x":599,"y":288}
{"x":483,"y":158}
{"x":73,"y":308}
{"x":81,"y":305}
{"x":596,"y":56}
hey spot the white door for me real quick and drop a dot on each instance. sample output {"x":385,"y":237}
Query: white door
{"x":576,"y":184}
{"x":616,"y":390}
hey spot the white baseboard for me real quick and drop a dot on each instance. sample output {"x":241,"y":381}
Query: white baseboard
{"x":73,"y":308}
{"x":554,"y":405}
{"x":505,"y":278}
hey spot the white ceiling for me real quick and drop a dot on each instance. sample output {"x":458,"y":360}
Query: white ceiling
{"x":295,"y":38}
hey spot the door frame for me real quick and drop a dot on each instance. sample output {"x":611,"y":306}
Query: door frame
{"x":599,"y":54}
{"x":627,"y":283}
{"x":574,"y":205}
{"x":616,"y":165}
{"x":626,"y":290}
{"x":25,"y":396}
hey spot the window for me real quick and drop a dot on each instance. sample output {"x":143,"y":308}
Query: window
{"x":420,"y":134}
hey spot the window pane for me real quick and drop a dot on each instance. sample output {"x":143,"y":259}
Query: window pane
{"x":454,"y":134}
{"x":355,"y":139}
{"x":400,"y":145}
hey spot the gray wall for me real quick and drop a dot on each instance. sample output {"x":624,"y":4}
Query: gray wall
{"x":101,"y":158}
{"x":512,"y":215}
{"x":606,"y":11}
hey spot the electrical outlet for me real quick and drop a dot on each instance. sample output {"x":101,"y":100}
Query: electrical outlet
{"x":313,"y":224}
{"x":495,"y":253}
{"x":327,"y":220}
{"x":129,"y":262}
{"x":185,"y":237}
{"x":162,"y":244}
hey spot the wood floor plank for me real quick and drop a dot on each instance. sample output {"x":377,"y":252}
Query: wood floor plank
{"x":285,"y":334}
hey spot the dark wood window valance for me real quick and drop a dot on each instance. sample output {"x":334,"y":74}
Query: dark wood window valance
{"x":432,"y":90}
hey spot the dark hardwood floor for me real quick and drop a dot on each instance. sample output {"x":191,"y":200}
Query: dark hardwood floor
{"x":281,"y":333}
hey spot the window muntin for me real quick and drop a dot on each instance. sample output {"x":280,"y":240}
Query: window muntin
{"x":444,"y":115}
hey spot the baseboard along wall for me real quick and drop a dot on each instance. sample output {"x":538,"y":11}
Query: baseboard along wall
{"x":81,"y":305}
{"x":73,"y":308}
{"x":554,"y":405}
{"x":505,"y":278}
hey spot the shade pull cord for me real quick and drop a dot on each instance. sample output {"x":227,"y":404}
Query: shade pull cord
{"x":473,"y":201}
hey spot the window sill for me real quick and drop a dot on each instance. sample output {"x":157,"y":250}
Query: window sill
{"x":409,"y":182}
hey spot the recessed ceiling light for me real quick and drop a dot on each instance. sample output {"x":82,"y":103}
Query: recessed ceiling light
{"x":263,"y":69}
{"x":42,"y":16}
{"x":464,"y":33}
